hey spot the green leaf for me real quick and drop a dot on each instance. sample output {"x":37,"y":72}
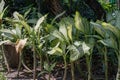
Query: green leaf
{"x":8,"y":33}
{"x":27,"y":27}
{"x":50,"y":28}
{"x":49,"y":67}
{"x":86,"y":48}
{"x":78,"y":22}
{"x":99,"y":29}
{"x":58,"y":35}
{"x":56,"y":50}
{"x":69,"y":29}
{"x":39,"y":22}
{"x":63,"y":47}
{"x":86,"y":26}
{"x":77,"y":43}
{"x":59,"y":15}
{"x":109,"y":43}
{"x":33,"y":21}
{"x":63,"y":30}
{"x":113,"y":29}
{"x":2,"y":4}
{"x":27,"y":12}
{"x":46,"y":66}
{"x":18,"y":16}
{"x":2,"y":42}
{"x":2,"y":14}
{"x":18,"y":31}
{"x":2,"y":10}
{"x":75,"y":52}
{"x":52,"y":66}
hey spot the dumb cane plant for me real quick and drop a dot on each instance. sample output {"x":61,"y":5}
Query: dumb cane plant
{"x":36,"y":39}
{"x":63,"y":40}
{"x":2,"y":12}
{"x":110,"y":38}
{"x":13,"y":37}
{"x":33,"y":35}
{"x":101,"y":34}
{"x":113,"y":42}
{"x":68,"y":42}
{"x":84,"y":27}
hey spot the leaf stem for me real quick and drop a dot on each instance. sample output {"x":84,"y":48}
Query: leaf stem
{"x":72,"y":71}
{"x":65,"y":66}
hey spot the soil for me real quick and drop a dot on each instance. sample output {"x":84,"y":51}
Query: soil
{"x":97,"y":70}
{"x":58,"y":72}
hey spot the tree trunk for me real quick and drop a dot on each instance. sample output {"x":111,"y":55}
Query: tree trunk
{"x":97,"y":8}
{"x":54,"y":6}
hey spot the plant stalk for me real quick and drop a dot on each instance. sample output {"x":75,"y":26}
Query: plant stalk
{"x":106,"y":64}
{"x":118,"y":72}
{"x":72,"y":71}
{"x":41,"y":62}
{"x":49,"y":75}
{"x":20,"y":62}
{"x":88,"y":61}
{"x":5,"y":59}
{"x":65,"y":66}
{"x":79,"y":69}
{"x":34,"y":65}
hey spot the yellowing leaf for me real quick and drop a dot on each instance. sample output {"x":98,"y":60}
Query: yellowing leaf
{"x":86,"y":48}
{"x":20,"y":45}
{"x":78,"y":22}
{"x":113,"y":29}
{"x":69,"y":28}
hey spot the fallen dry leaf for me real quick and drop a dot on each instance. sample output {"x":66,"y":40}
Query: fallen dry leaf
{"x":20,"y":45}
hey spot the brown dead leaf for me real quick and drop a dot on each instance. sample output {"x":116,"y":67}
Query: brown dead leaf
{"x":20,"y":44}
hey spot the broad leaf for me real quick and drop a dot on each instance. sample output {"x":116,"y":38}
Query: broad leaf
{"x":18,"y":31}
{"x":59,"y":15}
{"x":113,"y":29}
{"x":27,"y":27}
{"x":27,"y":12}
{"x":2,"y":10}
{"x":2,"y":4}
{"x":2,"y":42}
{"x":58,"y":35}
{"x":63,"y":30}
{"x":39,"y":22}
{"x":69,"y":29}
{"x":63,"y":47}
{"x":8,"y":34}
{"x":75,"y":52}
{"x":46,"y":66}
{"x":52,"y":66}
{"x":77,"y":43}
{"x":56,"y":50}
{"x":99,"y":29}
{"x":109,"y":43}
{"x":78,"y":22}
{"x":86,"y":48}
{"x":18,"y":16}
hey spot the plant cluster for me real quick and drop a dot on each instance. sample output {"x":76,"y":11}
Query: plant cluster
{"x":65,"y":41}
